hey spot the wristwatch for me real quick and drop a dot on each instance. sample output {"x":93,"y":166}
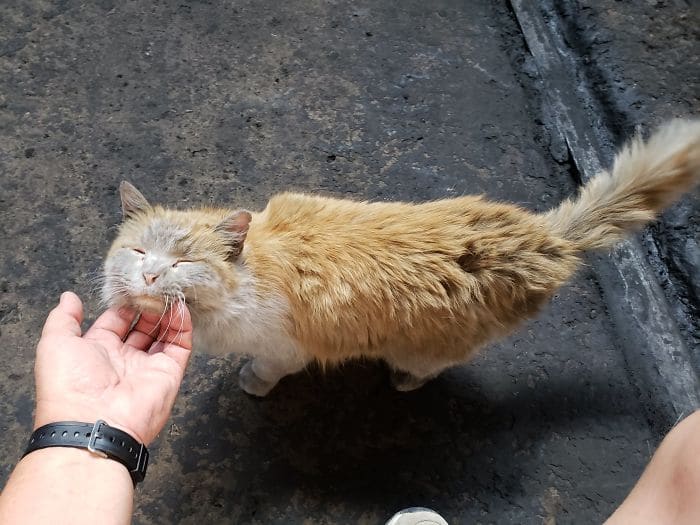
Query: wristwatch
{"x":99,"y":438}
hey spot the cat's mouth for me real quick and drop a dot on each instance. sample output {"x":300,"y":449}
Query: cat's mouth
{"x":149,"y":303}
{"x":154,"y":303}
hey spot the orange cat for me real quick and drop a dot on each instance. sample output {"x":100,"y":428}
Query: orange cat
{"x":421,"y":286}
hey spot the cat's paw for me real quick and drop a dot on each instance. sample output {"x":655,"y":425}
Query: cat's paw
{"x":405,"y":382}
{"x":251,"y":383}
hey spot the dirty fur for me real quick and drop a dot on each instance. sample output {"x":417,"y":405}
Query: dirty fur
{"x":421,"y":286}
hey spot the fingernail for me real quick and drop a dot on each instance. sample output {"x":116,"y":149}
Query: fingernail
{"x":125,"y":312}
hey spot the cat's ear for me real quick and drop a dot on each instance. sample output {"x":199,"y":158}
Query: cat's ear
{"x":235,"y":229}
{"x":132,"y":200}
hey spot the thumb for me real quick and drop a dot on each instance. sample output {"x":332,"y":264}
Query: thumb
{"x":65,"y":319}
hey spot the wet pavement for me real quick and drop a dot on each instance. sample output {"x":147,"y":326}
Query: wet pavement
{"x":230,"y":102}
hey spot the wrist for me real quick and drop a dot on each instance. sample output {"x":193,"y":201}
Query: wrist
{"x":67,"y":479}
{"x":75,"y":461}
{"x":98,"y":438}
{"x":52,"y":412}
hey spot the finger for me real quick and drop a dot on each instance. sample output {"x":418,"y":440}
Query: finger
{"x":176,"y":327}
{"x":113,"y":322}
{"x":139,"y":340}
{"x":181,"y":356}
{"x":175,"y":337}
{"x":148,"y":327}
{"x":65,"y":318}
{"x":144,"y":332}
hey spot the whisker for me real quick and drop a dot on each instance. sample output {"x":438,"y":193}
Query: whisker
{"x":181,"y":312}
{"x":116,"y":291}
{"x":167,"y":328}
{"x":162,"y":315}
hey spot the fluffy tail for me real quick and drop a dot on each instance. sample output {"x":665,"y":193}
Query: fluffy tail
{"x":646,"y":177}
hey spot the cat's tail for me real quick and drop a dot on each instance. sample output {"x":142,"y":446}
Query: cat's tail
{"x":646,"y":177}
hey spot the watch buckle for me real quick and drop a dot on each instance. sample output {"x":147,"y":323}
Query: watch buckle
{"x":140,"y":471}
{"x":93,"y":438}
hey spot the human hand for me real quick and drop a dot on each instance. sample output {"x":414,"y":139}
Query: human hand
{"x":127,"y":378}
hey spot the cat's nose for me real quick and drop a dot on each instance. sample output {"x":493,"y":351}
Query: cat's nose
{"x":150,"y":278}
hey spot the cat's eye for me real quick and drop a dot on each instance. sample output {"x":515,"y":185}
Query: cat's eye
{"x":139,"y":250}
{"x":181,"y":261}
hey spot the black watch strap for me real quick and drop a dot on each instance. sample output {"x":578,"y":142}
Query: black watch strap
{"x":99,"y":438}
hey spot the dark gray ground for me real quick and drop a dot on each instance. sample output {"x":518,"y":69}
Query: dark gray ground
{"x":645,"y":64}
{"x":229,"y":102}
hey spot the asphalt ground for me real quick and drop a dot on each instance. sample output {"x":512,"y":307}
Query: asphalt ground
{"x":231,"y":102}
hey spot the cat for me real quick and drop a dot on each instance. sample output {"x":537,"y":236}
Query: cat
{"x":421,"y":286}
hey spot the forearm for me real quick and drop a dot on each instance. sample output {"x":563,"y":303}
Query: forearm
{"x":668,"y":490}
{"x":67,"y":485}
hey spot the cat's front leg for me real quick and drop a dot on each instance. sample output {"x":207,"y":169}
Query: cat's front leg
{"x":406,"y":382}
{"x":260,"y":375}
{"x":253,"y":384}
{"x":410,"y":373}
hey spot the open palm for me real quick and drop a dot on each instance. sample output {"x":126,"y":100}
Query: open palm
{"x":127,"y":377}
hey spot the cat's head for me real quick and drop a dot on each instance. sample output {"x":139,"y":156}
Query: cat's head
{"x":162,"y":255}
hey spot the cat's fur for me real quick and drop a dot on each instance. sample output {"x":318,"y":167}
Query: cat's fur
{"x":421,"y":286}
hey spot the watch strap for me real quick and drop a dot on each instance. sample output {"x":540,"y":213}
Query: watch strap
{"x":99,"y":438}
